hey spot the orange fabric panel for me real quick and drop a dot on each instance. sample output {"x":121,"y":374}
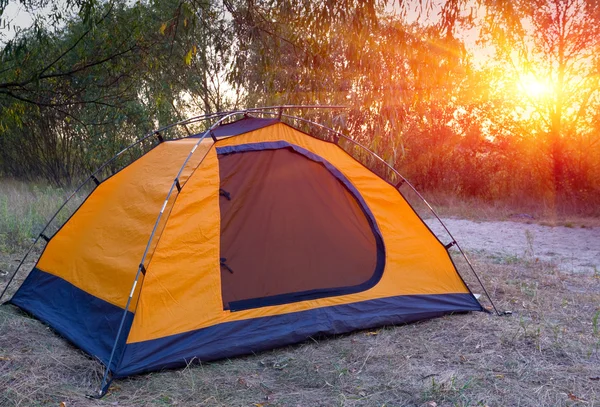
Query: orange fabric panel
{"x":182,"y":285}
{"x":100,"y":248}
{"x":182,"y":290}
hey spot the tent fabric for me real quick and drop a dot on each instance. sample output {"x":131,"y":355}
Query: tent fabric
{"x":385,"y":267}
{"x":243,"y":125}
{"x":87,"y":321}
{"x":294,"y":230}
{"x":255,"y":335}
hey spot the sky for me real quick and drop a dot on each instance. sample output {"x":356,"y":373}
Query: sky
{"x":17,"y":17}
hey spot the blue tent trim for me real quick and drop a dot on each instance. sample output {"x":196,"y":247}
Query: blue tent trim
{"x":83,"y":319}
{"x":244,"y":125}
{"x":320,"y":293}
{"x":258,"y":334}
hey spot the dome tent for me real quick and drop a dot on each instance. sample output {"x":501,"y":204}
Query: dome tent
{"x":251,"y":235}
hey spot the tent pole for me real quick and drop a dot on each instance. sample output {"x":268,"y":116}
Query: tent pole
{"x":404,"y":181}
{"x":141,"y":269}
{"x":155,"y":133}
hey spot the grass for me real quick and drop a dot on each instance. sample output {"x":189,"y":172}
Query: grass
{"x":546,"y":354}
{"x":25,"y":208}
{"x":522,"y":210}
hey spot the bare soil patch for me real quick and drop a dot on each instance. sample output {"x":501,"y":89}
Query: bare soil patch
{"x":546,"y":354}
{"x":570,"y":249}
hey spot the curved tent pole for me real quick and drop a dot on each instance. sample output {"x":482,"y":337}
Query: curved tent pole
{"x":154,"y":133}
{"x":404,"y":180}
{"x":141,"y":269}
{"x":92,"y":177}
{"x":283,"y":107}
{"x":88,"y":179}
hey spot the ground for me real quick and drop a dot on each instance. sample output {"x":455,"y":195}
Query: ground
{"x":572,"y":248}
{"x":547,"y":353}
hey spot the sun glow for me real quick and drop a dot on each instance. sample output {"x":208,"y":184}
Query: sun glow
{"x":534,"y":88}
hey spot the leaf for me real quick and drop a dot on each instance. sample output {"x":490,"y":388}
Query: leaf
{"x":188,"y":57}
{"x":574,"y":397}
{"x":163,"y":28}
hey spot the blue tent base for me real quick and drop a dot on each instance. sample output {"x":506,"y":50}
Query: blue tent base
{"x":259,"y":334}
{"x":88,"y":322}
{"x":91,"y":323}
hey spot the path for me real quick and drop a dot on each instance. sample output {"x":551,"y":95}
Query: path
{"x":571,"y":249}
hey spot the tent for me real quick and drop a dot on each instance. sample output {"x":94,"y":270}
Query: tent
{"x":267,"y":236}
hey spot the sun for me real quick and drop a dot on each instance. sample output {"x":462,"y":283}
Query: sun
{"x":534,"y":88}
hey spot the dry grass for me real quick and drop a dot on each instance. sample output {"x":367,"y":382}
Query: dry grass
{"x":25,"y":208}
{"x":529,"y":211}
{"x":546,"y":354}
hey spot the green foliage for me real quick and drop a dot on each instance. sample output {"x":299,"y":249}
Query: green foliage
{"x":557,"y":44}
{"x":72,"y":98}
{"x":79,"y":86}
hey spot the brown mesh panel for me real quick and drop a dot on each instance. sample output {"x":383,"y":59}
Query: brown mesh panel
{"x":289,"y":226}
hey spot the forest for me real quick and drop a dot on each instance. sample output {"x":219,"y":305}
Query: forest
{"x":484,"y":100}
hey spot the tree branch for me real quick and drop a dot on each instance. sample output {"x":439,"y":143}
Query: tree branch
{"x":41,"y":75}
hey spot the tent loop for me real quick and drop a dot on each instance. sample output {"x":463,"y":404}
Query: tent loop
{"x":225,"y":194}
{"x":449,"y":245}
{"x":222,"y":263}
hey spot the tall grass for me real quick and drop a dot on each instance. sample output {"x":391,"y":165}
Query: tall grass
{"x":24,"y":210}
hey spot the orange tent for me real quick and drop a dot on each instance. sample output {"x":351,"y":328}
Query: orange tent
{"x":267,"y":236}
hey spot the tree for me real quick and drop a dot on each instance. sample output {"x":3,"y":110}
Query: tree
{"x":73,"y":97}
{"x":554,"y":44}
